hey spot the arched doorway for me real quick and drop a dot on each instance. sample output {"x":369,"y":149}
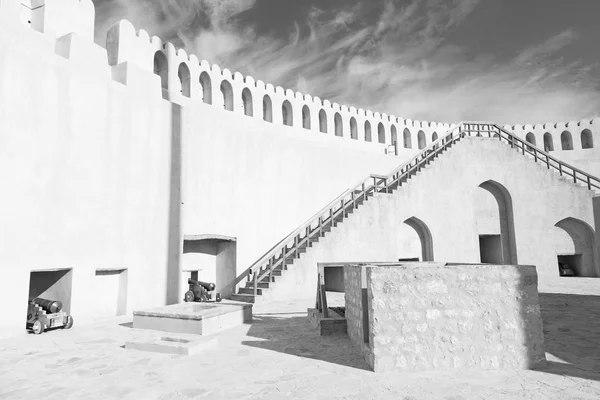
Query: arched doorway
{"x":502,"y":248}
{"x":424,"y":236}
{"x":575,"y":248}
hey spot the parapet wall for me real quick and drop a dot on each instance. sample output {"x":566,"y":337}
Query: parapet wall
{"x":185,"y":79}
{"x":447,"y":317}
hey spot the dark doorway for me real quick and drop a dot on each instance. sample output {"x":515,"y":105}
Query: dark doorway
{"x":490,"y":249}
{"x":52,"y":285}
{"x":569,"y":265}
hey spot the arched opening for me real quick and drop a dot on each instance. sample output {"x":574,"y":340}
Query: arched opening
{"x":587,"y":141}
{"x":368,"y":136}
{"x":337,"y":123}
{"x":267,"y":109}
{"x":206,"y":87}
{"x":425,"y":237}
{"x":287,"y":113}
{"x":227,"y":95}
{"x":380,"y":133}
{"x":161,"y":68}
{"x":422,"y":141}
{"x":575,"y":248}
{"x":502,"y":248}
{"x":247,"y":102}
{"x":353,"y":129}
{"x":323,"y":121}
{"x":394,"y":134}
{"x":434,"y":137}
{"x":566,"y":140}
{"x":530,"y":138}
{"x":306,"y":117}
{"x":407,"y":139}
{"x":548,"y":142}
{"x":183,"y":73}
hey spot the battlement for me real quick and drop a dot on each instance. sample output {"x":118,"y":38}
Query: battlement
{"x":553,"y":136}
{"x":185,"y":79}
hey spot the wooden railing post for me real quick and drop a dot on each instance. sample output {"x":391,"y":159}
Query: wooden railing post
{"x":560,"y":168}
{"x":589,"y":183}
{"x":255,"y":284}
{"x":574,"y":176}
{"x":547,"y":161}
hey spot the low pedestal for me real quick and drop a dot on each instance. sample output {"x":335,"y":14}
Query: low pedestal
{"x":184,"y":345}
{"x":194,"y":318}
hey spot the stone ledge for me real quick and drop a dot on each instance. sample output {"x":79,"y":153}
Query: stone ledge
{"x":334,"y":325}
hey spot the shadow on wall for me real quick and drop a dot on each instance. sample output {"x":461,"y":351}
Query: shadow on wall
{"x":174,"y":238}
{"x":571,"y":327}
{"x":296,"y":336}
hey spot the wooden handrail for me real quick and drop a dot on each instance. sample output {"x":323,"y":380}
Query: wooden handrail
{"x":375,"y":183}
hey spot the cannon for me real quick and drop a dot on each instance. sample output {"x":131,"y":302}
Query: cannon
{"x":200,"y":291}
{"x":43,"y":314}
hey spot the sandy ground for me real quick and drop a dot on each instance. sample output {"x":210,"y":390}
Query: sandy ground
{"x":279,"y":356}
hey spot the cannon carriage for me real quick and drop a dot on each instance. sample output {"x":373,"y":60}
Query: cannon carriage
{"x":45,"y":314}
{"x":200,"y":292}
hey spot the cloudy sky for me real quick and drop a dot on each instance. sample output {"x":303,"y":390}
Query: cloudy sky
{"x":509,"y":61}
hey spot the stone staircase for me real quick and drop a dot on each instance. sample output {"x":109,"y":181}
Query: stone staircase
{"x":272,"y":265}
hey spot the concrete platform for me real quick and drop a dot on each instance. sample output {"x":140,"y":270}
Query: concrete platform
{"x":194,"y":318}
{"x":187,"y":345}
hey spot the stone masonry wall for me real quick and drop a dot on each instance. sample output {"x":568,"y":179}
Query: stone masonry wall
{"x":442,"y":317}
{"x":354,"y":309}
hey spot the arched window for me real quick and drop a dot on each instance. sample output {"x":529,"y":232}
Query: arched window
{"x":434,"y":137}
{"x":353,"y":129}
{"x":587,"y":141}
{"x":287,"y":113}
{"x":566,"y":140}
{"x":247,"y":102}
{"x":394,"y":134}
{"x":323,"y":121}
{"x":380,"y":133}
{"x":206,"y":88}
{"x":368,"y":137}
{"x":306,"y":117}
{"x":227,"y":94}
{"x":530,"y":138}
{"x":407,"y":139}
{"x":184,"y":79}
{"x":267,"y":109}
{"x":422,"y":141}
{"x":161,"y":68}
{"x":548,"y":142}
{"x":339,"y":128}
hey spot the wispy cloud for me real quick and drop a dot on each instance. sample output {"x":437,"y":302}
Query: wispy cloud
{"x":397,"y":61}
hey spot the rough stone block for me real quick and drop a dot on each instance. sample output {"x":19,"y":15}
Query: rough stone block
{"x":421,"y":317}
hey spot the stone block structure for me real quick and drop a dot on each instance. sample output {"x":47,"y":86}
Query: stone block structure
{"x":436,"y":316}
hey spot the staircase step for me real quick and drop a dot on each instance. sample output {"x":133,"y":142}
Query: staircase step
{"x":246,"y":298}
{"x":261,"y":285}
{"x":247,"y":290}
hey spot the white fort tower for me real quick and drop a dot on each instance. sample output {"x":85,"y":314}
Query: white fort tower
{"x":127,"y":169}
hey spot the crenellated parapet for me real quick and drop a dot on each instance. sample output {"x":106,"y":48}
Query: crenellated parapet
{"x":560,"y":136}
{"x":185,"y":78}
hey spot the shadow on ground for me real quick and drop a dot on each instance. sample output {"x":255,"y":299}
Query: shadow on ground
{"x":297,"y":337}
{"x":571,"y":333}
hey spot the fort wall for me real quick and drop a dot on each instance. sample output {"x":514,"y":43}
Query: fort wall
{"x":110,"y":156}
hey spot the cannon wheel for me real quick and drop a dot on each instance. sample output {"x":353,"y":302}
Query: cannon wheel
{"x":69,"y":323}
{"x":189,"y":296}
{"x":37,"y":327}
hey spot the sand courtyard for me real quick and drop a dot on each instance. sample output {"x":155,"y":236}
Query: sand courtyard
{"x":280,"y":356}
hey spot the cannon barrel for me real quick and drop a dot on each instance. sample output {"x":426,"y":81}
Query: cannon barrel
{"x":208,"y":286}
{"x":50,"y":306}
